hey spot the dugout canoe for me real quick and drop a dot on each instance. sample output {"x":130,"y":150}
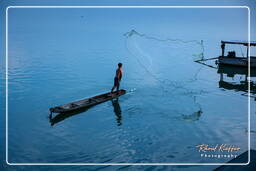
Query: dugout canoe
{"x":86,"y":103}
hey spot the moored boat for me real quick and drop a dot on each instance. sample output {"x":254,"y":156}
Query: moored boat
{"x":232,"y":59}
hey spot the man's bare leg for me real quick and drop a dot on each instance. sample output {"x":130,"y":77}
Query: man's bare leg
{"x":117,"y":88}
{"x":113,"y":89}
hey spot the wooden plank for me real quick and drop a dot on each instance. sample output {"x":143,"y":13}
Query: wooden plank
{"x":207,"y":59}
{"x":240,"y":43}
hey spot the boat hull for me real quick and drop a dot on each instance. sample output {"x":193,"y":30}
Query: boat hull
{"x":237,"y":61}
{"x":86,"y":103}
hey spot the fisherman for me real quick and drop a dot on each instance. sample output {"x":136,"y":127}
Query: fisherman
{"x":118,"y":77}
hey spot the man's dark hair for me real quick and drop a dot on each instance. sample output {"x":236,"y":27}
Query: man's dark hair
{"x":120,"y":65}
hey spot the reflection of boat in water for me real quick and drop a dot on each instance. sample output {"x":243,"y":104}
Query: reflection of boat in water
{"x":89,"y":102}
{"x":231,"y":71}
{"x":62,"y":116}
{"x":232,"y":59}
{"x":241,"y":85}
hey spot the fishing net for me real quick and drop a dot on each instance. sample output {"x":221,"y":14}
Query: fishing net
{"x":169,"y":61}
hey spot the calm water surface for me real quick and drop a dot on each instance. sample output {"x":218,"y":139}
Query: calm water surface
{"x":172,"y":104}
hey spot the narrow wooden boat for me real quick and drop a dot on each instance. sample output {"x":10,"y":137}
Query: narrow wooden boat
{"x":86,"y":103}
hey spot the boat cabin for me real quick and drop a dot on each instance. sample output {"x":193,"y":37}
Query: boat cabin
{"x":232,"y":59}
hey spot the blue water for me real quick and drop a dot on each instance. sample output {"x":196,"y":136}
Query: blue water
{"x":173,"y":103}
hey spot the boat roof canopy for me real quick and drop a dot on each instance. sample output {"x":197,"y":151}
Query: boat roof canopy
{"x":245,"y":43}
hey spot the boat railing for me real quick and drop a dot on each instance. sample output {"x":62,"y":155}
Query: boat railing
{"x":245,"y":43}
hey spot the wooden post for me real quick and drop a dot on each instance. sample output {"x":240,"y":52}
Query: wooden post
{"x":247,"y":52}
{"x":222,"y":48}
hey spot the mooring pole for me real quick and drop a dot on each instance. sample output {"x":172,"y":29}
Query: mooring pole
{"x":247,"y":53}
{"x":222,"y":48}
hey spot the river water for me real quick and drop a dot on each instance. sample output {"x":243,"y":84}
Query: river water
{"x":172,"y":104}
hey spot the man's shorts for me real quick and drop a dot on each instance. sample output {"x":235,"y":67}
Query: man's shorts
{"x":116,"y":82}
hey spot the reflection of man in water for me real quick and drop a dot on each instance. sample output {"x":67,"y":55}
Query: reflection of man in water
{"x":117,"y":110}
{"x":118,"y":77}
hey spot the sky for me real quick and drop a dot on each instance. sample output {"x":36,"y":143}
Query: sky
{"x":250,"y":3}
